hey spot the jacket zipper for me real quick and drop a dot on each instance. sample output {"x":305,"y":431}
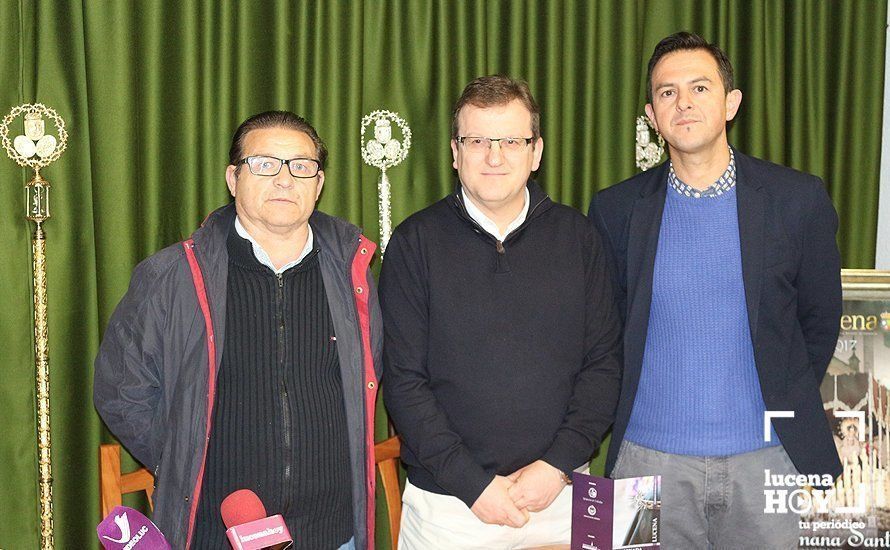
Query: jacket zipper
{"x":285,"y":403}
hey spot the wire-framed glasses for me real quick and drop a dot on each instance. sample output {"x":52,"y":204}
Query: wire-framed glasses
{"x":478,"y":144}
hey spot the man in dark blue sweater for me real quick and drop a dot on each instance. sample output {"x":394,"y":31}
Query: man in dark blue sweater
{"x":728,"y":278}
{"x":502,"y":340}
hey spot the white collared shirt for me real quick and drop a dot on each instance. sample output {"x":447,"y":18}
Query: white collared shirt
{"x":264,"y":258}
{"x":488,"y":225}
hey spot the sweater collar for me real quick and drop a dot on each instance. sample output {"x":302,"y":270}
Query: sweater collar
{"x":538,"y":203}
{"x":263,"y":257}
{"x":744,"y":175}
{"x":490,"y":226}
{"x":724,"y":183}
{"x":242,"y":252}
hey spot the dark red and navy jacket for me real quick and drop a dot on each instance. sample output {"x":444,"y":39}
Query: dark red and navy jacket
{"x":155,"y":375}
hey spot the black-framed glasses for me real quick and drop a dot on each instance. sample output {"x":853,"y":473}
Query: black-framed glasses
{"x":477,"y":144}
{"x":271,"y":166}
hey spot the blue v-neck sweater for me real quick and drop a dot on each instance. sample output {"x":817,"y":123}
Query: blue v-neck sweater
{"x":698,"y":392}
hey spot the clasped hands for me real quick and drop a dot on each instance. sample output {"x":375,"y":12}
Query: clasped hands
{"x":508,"y":500}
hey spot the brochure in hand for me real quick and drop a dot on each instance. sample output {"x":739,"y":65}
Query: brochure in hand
{"x":615,"y":514}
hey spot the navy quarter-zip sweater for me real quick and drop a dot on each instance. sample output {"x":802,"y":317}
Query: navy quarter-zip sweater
{"x":497,"y":354}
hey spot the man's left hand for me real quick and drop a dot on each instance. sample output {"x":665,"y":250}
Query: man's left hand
{"x":535,"y":486}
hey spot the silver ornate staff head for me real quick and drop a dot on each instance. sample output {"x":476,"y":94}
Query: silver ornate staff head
{"x":648,"y":154}
{"x":37,"y":149}
{"x":383,"y":151}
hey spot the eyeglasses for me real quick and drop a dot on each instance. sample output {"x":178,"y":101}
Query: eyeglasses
{"x":476,"y":144}
{"x":271,"y":166}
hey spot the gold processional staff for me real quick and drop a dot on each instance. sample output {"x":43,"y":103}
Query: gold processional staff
{"x":37,"y":149}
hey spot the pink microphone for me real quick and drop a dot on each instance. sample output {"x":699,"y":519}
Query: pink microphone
{"x":248,"y":527}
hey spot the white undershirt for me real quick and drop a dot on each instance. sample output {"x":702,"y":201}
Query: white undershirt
{"x":264,"y":258}
{"x":488,"y":225}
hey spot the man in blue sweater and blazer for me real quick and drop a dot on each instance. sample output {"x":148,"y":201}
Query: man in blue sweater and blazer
{"x":728,"y":276}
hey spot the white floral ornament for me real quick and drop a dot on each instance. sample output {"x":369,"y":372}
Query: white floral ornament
{"x":648,"y":154}
{"x":383,"y":151}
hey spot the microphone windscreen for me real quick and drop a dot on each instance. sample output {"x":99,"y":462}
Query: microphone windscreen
{"x":126,"y":527}
{"x":241,"y":507}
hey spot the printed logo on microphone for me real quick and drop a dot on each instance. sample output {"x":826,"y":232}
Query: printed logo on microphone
{"x":126,"y":529}
{"x":267,"y":532}
{"x":124,"y":525}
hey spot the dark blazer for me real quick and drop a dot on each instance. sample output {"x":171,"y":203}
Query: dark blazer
{"x":791,"y":271}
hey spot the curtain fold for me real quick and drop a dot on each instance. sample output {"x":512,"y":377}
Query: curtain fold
{"x":152,"y":91}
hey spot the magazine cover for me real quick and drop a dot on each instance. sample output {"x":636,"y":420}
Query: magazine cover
{"x":856,"y":513}
{"x":615,"y":514}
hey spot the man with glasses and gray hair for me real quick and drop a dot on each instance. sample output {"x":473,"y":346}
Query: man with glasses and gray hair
{"x":502,"y":341}
{"x":244,"y":357}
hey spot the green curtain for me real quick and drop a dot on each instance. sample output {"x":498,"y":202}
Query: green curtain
{"x":152,"y":90}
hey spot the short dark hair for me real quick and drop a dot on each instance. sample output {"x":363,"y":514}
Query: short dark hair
{"x":275,"y":119}
{"x":489,"y":91}
{"x":684,"y":41}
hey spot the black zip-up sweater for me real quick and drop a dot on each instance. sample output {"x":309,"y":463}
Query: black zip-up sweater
{"x":497,"y":354}
{"x":279,"y":426}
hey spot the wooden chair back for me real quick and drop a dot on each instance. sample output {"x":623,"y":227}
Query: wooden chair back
{"x":113,"y":484}
{"x":387,"y":457}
